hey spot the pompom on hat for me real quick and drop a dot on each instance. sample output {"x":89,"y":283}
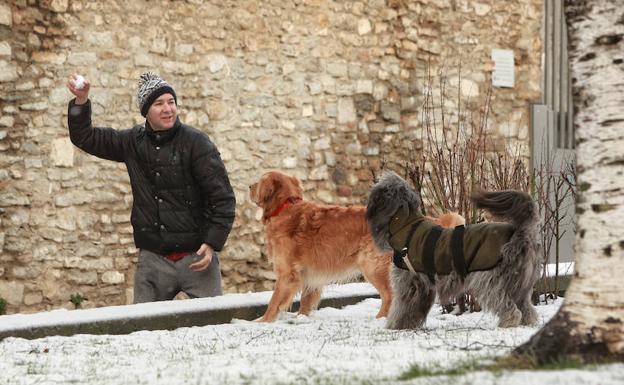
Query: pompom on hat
{"x":151,"y":86}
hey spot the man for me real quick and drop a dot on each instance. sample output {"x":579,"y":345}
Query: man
{"x":183,"y":203}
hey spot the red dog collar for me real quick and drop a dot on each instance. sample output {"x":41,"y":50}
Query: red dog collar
{"x":283,"y":206}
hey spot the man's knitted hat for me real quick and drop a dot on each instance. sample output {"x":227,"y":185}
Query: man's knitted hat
{"x":151,"y":86}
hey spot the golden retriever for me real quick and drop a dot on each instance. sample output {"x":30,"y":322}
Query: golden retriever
{"x":447,"y":220}
{"x":313,"y":244}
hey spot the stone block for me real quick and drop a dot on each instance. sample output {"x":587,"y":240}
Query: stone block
{"x":322,"y":143}
{"x":7,"y":121}
{"x":380,"y":90}
{"x":105,"y":197}
{"x":315,"y":88}
{"x":101,"y":39}
{"x":17,"y":245}
{"x":49,"y":284}
{"x":12,"y":292}
{"x":469,"y":88}
{"x":346,"y":111}
{"x":371,"y":151}
{"x":113,"y":277}
{"x":409,"y":104}
{"x":19,"y":217}
{"x":82,"y":277}
{"x":337,"y":69}
{"x":391,"y":112}
{"x":129,"y":295}
{"x":143,"y":59}
{"x":33,"y":298}
{"x":71,"y":198}
{"x":289,"y":162}
{"x":319,"y":173}
{"x":364,"y":87}
{"x":9,"y":199}
{"x":49,"y":57}
{"x":51,"y":234}
{"x":62,"y":152}
{"x":354,"y":148}
{"x":345,"y":88}
{"x":123,"y":263}
{"x":34,"y":41}
{"x":37,"y":106}
{"x":82,"y":58}
{"x":482,"y":9}
{"x":5,"y":48}
{"x":159,"y":46}
{"x":26,"y":272}
{"x":364,"y":26}
{"x":44,"y":252}
{"x":184,"y":49}
{"x":8,"y":71}
{"x":331,"y":110}
{"x":59,"y":96}
{"x":59,"y":6}
{"x":121,"y":218}
{"x":330,"y":158}
{"x":325,"y":196}
{"x":216,"y":63}
{"x":101,"y":263}
{"x":65,"y":219}
{"x":329,"y":84}
{"x":6,"y":16}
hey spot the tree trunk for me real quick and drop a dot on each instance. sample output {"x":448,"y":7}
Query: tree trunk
{"x":590,"y":324}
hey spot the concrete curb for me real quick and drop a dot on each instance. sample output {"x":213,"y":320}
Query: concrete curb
{"x":198,"y":316}
{"x":188,"y":318}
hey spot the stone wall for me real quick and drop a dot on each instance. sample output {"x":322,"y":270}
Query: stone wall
{"x":320,"y":89}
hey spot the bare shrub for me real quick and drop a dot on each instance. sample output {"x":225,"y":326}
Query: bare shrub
{"x":456,"y":155}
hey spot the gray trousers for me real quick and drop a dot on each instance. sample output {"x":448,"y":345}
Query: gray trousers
{"x":160,"y":279}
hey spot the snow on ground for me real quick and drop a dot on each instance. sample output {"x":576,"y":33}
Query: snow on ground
{"x":332,"y":346}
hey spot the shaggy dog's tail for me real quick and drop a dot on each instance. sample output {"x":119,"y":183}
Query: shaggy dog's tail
{"x":521,"y":258}
{"x":515,"y":207}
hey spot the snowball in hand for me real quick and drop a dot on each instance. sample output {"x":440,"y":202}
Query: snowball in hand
{"x":79,"y":82}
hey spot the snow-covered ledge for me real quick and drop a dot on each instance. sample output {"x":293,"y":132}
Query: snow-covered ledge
{"x":565,"y":269}
{"x":169,"y":315}
{"x":166,"y":315}
{"x":556,"y":279}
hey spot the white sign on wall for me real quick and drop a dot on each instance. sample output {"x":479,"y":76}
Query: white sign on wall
{"x":503,"y":74}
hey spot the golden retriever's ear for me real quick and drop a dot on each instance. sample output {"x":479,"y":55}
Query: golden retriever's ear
{"x":297,"y":185}
{"x":269,"y":187}
{"x":295,"y":181}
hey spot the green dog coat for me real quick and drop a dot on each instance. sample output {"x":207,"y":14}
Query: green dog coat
{"x":427,"y":248}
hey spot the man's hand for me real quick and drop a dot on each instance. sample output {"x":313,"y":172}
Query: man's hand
{"x":82,"y":94}
{"x":206,"y":252}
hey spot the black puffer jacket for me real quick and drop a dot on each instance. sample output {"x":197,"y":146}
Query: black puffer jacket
{"x":181,"y":190}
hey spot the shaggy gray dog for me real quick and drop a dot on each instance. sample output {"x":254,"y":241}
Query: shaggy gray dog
{"x":496,"y":262}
